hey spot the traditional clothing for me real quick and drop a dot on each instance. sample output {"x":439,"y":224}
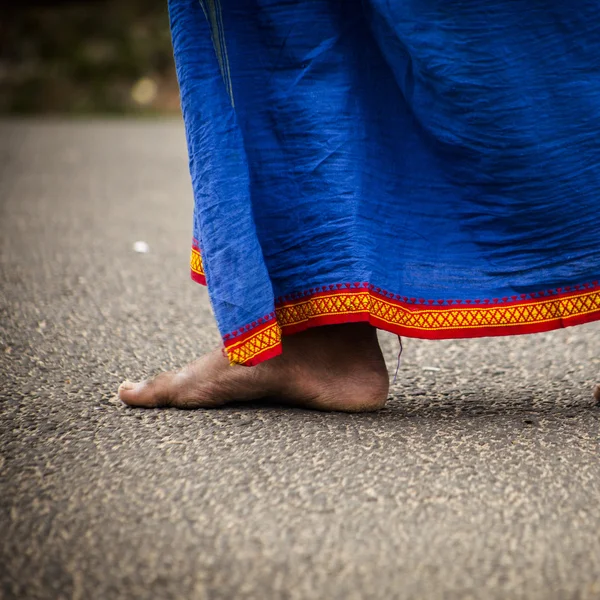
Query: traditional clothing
{"x":428,"y":166}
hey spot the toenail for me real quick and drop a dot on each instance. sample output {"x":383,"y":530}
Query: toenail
{"x":127,"y":385}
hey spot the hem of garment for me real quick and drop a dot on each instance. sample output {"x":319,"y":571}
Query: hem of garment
{"x":197,"y":267}
{"x":411,"y":317}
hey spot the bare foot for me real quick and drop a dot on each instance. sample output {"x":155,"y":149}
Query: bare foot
{"x":337,"y":367}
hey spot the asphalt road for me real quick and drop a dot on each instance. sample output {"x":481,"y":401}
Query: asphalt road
{"x":481,"y":478}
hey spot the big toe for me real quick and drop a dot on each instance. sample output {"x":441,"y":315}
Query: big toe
{"x":150,"y":394}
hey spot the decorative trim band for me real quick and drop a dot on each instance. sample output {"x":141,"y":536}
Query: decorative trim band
{"x":411,"y":317}
{"x":197,"y":268}
{"x":259,"y":344}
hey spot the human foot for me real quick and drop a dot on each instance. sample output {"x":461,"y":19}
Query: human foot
{"x":338,"y":367}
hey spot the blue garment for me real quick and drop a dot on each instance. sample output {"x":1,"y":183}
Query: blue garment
{"x":412,"y":164}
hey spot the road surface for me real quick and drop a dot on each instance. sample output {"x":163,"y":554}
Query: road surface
{"x":480,"y":479}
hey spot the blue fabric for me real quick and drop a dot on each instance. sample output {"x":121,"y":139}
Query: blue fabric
{"x":434,"y":149}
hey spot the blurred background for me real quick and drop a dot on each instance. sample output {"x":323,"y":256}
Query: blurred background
{"x":86,"y":57}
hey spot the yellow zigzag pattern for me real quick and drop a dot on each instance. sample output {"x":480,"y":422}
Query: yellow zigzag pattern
{"x":263,"y":340}
{"x":459,"y":317}
{"x":421,"y":318}
{"x":417,"y":317}
{"x":196,"y":262}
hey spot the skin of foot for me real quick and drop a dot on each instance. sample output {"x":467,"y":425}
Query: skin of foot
{"x":330,"y":368}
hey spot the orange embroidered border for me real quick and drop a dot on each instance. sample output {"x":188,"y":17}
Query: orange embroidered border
{"x":546,"y":314}
{"x":531,"y":313}
{"x":197,"y":267}
{"x":262,"y":343}
{"x":427,"y":318}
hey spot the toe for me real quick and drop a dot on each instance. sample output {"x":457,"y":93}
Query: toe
{"x":149,"y":394}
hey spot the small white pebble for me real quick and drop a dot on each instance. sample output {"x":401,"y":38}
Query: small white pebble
{"x":141,"y":247}
{"x":432,"y":369}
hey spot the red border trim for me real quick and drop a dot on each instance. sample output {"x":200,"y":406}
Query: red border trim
{"x":199,"y":278}
{"x":410,"y":317}
{"x":255,"y":345}
{"x":197,"y":266}
{"x":461,"y":320}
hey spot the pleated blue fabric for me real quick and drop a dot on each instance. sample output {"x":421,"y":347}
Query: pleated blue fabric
{"x":409,"y":163}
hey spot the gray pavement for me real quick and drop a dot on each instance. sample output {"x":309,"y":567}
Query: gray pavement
{"x":481,"y":478}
